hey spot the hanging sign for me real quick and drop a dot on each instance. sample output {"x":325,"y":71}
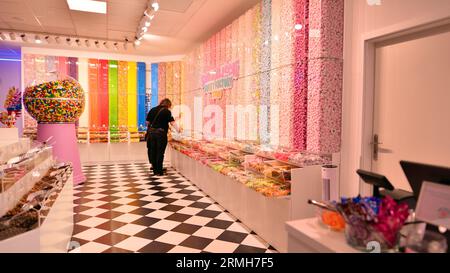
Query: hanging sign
{"x":217,"y":80}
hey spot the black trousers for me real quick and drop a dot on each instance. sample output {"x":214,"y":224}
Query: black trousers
{"x":156,"y":147}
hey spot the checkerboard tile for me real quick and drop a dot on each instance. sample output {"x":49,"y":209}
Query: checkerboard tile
{"x":123,"y":208}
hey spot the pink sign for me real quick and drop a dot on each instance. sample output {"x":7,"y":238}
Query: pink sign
{"x":220,"y":78}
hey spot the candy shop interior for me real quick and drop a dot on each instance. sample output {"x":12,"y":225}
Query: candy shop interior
{"x":298,"y":126}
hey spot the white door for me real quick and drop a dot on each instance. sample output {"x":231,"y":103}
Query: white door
{"x":412,"y":103}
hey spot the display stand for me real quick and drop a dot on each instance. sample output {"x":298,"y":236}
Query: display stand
{"x":264,"y":215}
{"x":65,"y":147}
{"x":55,"y":233}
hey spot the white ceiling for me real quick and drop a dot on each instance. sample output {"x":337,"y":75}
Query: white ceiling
{"x":178,"y":26}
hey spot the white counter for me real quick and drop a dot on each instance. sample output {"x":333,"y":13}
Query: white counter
{"x":308,"y":236}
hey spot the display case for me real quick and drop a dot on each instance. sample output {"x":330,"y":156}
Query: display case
{"x":36,"y":200}
{"x":260,"y":185}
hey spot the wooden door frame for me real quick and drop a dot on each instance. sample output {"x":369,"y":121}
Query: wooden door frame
{"x":367,"y":84}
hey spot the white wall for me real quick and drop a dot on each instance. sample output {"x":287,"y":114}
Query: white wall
{"x":9,"y":76}
{"x":362,"y":21}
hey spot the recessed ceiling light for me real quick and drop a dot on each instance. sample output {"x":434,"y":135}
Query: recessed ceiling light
{"x":87,"y":5}
{"x":37,"y":39}
{"x":68,"y":40}
{"x":105,"y":44}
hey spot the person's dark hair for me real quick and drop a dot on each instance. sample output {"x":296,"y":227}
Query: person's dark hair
{"x":166,"y":103}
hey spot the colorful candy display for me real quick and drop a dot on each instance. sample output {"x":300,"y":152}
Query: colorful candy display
{"x":373,"y":219}
{"x":13,"y":101}
{"x":58,"y":101}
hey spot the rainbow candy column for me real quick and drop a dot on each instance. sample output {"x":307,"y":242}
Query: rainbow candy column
{"x":62,"y":65}
{"x":50,"y":68}
{"x":266,"y":46}
{"x":113,"y":101}
{"x":154,"y":101}
{"x":275,"y":75}
{"x":94,"y":110}
{"x":300,"y":74}
{"x":29,"y":76}
{"x":103,"y":96}
{"x":123,"y":96}
{"x":169,"y":80}
{"x":141,"y":84}
{"x":72,"y":67}
{"x":161,"y":81}
{"x":287,"y":61}
{"x":326,"y":27}
{"x":132,"y":97}
{"x":83,"y":79}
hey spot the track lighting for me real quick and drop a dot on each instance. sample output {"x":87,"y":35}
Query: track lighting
{"x":12,"y":36}
{"x":68,"y":41}
{"x":88,"y":44}
{"x":78,"y":42}
{"x":116,"y":46}
{"x":155,"y":5}
{"x":2,"y":36}
{"x":37,"y":39}
{"x":137,"y":43}
{"x":106,"y":45}
{"x":24,"y":38}
{"x":97,"y":44}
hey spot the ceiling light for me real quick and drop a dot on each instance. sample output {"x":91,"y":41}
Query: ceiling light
{"x":298,"y":26}
{"x":88,"y":44}
{"x":137,"y":42}
{"x":87,"y":5}
{"x":78,"y":42}
{"x":147,"y":23}
{"x":57,"y":40}
{"x":37,"y":39}
{"x":116,"y":46}
{"x":105,"y":44}
{"x":144,"y":29}
{"x":155,"y":6}
{"x":97,"y":44}
{"x":24,"y":37}
{"x":2,"y":36}
{"x":47,"y":39}
{"x":68,"y":41}
{"x":12,"y":36}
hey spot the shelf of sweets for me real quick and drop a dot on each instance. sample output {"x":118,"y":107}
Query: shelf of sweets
{"x":33,"y":207}
{"x":230,"y":162}
{"x":19,"y":166}
{"x":14,"y":149}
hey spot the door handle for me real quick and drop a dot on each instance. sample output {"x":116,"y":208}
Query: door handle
{"x":376,"y":149}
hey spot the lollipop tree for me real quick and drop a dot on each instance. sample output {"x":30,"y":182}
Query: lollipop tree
{"x":56,"y":106}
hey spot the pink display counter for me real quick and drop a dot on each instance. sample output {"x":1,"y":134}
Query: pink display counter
{"x":64,"y":143}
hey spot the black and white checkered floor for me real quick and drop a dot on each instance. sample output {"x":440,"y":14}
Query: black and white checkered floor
{"x":122,"y":208}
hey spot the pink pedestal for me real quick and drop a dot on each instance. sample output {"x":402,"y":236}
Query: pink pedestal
{"x":64,"y":143}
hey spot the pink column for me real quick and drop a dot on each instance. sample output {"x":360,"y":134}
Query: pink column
{"x":64,"y":143}
{"x":326,"y":27}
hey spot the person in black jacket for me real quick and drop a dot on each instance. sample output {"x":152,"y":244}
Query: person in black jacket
{"x":158,"y":120}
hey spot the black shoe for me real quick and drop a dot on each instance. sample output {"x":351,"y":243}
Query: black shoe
{"x":158,"y":174}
